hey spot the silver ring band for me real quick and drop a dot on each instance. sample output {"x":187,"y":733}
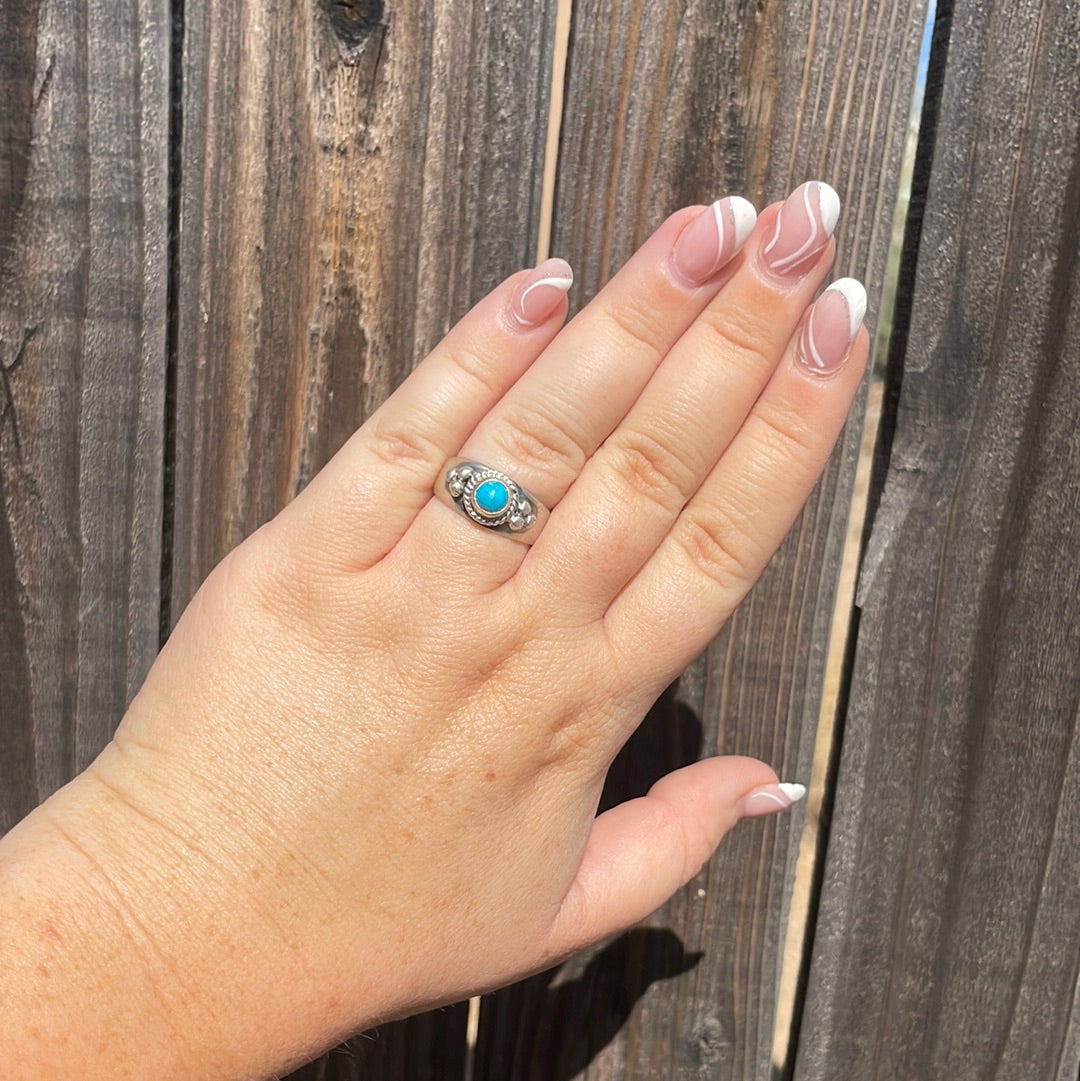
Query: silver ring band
{"x":491,"y":499}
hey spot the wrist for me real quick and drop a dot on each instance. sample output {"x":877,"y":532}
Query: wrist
{"x":115,"y":923}
{"x":75,"y":956}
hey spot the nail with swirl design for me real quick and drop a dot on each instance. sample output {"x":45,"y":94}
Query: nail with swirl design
{"x":803,"y":227}
{"x":712,"y":238}
{"x":831,"y":326}
{"x":771,"y":799}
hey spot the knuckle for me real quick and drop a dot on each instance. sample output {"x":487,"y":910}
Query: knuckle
{"x":261,"y":575}
{"x":649,"y":468}
{"x":533,"y":438}
{"x":403,"y":442}
{"x":478,"y":370}
{"x":635,"y":325}
{"x":283,"y":588}
{"x":743,"y":337}
{"x":576,"y":731}
{"x":719,"y":548}
{"x":785,"y":434}
{"x":698,"y":845}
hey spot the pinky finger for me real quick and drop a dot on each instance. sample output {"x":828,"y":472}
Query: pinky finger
{"x":733,"y":525}
{"x":366,"y":497}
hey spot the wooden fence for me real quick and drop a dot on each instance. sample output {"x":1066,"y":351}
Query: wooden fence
{"x":227,"y":229}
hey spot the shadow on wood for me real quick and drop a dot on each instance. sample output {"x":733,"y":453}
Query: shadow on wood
{"x":550,"y":1027}
{"x":573,"y":1012}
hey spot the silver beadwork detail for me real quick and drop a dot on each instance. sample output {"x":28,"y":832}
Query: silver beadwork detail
{"x":519,"y":513}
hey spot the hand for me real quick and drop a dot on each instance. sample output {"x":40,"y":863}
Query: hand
{"x":362,"y":777}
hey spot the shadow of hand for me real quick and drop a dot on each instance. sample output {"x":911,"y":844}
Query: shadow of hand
{"x":562,"y":1019}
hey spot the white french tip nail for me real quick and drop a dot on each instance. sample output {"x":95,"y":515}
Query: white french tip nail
{"x":557,"y":272}
{"x":770,"y":799}
{"x":562,"y":284}
{"x":547,"y":281}
{"x":829,"y":202}
{"x":742,"y":210}
{"x":855,"y":295}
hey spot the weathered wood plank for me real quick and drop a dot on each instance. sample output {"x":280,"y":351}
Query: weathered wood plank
{"x":354,"y":176}
{"x":428,"y":1047}
{"x":949,"y":935}
{"x":668,"y":104}
{"x":83,"y":268}
{"x":349,"y":189}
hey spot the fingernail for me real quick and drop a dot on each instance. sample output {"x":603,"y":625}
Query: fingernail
{"x":539,"y":294}
{"x":803,"y":227}
{"x":831,"y":326}
{"x":712,"y":238}
{"x":771,"y":799}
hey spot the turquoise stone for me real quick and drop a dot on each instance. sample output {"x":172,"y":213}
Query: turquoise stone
{"x":491,"y":497}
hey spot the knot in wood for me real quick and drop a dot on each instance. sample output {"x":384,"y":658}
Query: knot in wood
{"x":713,"y":1041}
{"x":353,"y":21}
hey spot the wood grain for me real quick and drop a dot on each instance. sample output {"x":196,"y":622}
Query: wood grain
{"x":83,"y":267}
{"x":949,"y":936}
{"x":667,"y":105}
{"x":351,"y":176}
{"x":354,"y":176}
{"x":428,"y":1047}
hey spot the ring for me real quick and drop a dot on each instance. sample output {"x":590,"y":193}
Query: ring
{"x":491,"y":499}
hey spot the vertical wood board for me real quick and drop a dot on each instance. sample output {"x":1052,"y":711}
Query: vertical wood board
{"x":948,"y":942}
{"x":83,"y":268}
{"x":668,"y":105}
{"x":348,"y":190}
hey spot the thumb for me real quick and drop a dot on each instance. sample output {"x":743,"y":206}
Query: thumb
{"x":640,"y":852}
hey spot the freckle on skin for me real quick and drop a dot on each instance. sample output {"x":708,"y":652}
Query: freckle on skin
{"x":490,"y":775}
{"x":43,"y":970}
